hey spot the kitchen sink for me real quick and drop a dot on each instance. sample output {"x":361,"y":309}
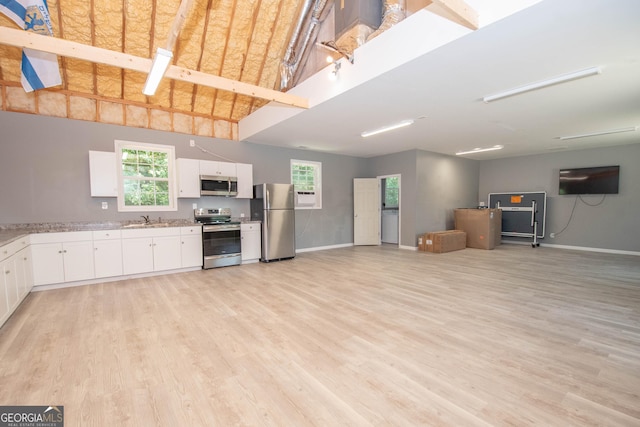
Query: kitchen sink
{"x":147,"y":225}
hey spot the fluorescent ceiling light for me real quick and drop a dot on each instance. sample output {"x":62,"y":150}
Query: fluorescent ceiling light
{"x":160,"y":63}
{"x":387,"y":128}
{"x":604,"y":132}
{"x":480,"y":150}
{"x":544,"y":83}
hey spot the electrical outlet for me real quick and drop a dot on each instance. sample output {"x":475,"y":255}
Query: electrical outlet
{"x":192,"y":143}
{"x":241,"y":214}
{"x":552,"y":235}
{"x":194,"y":206}
{"x":105,"y":205}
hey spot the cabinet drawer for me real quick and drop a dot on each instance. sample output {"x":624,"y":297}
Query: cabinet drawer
{"x":106,"y":235}
{"x":70,"y":236}
{"x":250,"y":226}
{"x":11,"y":248}
{"x":150,"y":232}
{"x":186,"y":231}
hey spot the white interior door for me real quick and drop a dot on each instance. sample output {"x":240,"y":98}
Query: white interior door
{"x":366,"y":211}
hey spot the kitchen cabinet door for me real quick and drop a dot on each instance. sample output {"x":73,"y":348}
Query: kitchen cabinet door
{"x":25,"y":269}
{"x":4,"y":298}
{"x":251,"y":241}
{"x":107,"y":256}
{"x":245,"y":181}
{"x":103,"y":174}
{"x":48,"y":265}
{"x":166,"y":253}
{"x":10,"y":284}
{"x":212,"y":168}
{"x":78,"y":261}
{"x":188,"y":178}
{"x":137,"y":255}
{"x":191,"y":250}
{"x":62,"y":257}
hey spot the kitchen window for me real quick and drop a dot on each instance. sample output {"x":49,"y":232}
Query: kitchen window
{"x":145,"y":177}
{"x":306,"y":177}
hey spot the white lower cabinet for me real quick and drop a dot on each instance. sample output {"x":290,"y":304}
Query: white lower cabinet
{"x":16,"y":279}
{"x":137,"y":255}
{"x":62,"y":257}
{"x":24,"y":265}
{"x":5,"y":290}
{"x":191,"y":246}
{"x":147,"y":250}
{"x":251,"y":241}
{"x":107,"y":253}
{"x":167,"y":253}
{"x":9,"y":286}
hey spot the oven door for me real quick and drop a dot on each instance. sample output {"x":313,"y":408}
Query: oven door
{"x":221,"y":245}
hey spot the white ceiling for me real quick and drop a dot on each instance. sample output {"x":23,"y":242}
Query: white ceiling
{"x":446,"y":85}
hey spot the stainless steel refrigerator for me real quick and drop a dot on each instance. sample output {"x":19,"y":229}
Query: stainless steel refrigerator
{"x":273,"y":205}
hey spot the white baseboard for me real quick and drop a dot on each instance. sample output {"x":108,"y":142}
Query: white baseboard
{"x":109,"y":279}
{"x":576,"y":248}
{"x":408,"y":248}
{"x":323,"y":248}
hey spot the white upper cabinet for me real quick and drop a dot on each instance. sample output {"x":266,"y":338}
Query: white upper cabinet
{"x":103,"y":174}
{"x":211,"y":168}
{"x":188,"y":178}
{"x":245,"y":181}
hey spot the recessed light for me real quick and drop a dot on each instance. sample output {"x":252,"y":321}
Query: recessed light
{"x":480,"y":150}
{"x":544,"y":83}
{"x":387,"y":128}
{"x":604,"y":132}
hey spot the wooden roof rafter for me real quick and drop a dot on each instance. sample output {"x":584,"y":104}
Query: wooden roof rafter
{"x":254,"y":19}
{"x":20,"y":38}
{"x":264,"y":58}
{"x":194,"y":91}
{"x":224,"y":54}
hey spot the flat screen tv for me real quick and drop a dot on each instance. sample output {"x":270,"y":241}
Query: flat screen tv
{"x":594,"y":180}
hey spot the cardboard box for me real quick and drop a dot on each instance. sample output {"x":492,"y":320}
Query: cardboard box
{"x":483,"y":226}
{"x":442,"y":241}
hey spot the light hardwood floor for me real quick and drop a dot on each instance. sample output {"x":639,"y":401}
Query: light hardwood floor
{"x":357,"y":336}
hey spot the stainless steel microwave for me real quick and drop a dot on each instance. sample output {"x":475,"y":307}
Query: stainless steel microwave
{"x":218,"y":186}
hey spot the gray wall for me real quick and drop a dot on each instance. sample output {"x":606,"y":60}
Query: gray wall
{"x":612,"y":225}
{"x":44,"y":168}
{"x":403,"y":164}
{"x":431,"y":187}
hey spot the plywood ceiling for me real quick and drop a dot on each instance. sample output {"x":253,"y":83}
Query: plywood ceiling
{"x":242,"y":40}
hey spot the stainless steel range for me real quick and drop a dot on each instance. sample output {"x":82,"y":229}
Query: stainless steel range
{"x":220,"y":237}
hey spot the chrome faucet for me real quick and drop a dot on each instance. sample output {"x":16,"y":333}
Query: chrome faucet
{"x":146,"y":218}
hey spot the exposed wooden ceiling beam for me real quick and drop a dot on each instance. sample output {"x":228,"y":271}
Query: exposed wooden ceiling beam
{"x":457,"y":11}
{"x":70,"y":49}
{"x":178,"y":22}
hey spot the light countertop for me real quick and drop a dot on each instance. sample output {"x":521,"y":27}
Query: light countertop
{"x":11,"y":232}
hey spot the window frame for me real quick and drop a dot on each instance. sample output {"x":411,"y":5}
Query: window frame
{"x":317,"y":182}
{"x":169,"y":150}
{"x":385,"y":190}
